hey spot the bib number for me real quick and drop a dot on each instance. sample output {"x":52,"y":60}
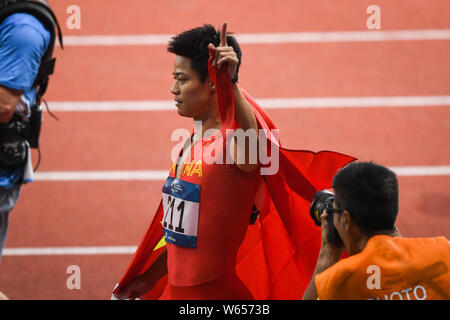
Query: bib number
{"x":181,"y":202}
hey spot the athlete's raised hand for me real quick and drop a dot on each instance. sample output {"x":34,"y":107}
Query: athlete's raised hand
{"x":225,"y":56}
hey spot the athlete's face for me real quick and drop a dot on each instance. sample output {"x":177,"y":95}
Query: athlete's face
{"x":193,"y":98}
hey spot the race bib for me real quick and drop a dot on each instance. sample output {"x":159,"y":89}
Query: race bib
{"x":181,"y":201}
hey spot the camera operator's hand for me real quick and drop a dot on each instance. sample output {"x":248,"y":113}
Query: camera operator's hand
{"x":327,"y":248}
{"x":329,"y":254}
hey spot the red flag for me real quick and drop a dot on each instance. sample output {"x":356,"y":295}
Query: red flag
{"x":278,"y":255}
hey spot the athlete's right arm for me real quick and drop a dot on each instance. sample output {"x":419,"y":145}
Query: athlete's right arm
{"x":9,"y":98}
{"x":146,"y":281}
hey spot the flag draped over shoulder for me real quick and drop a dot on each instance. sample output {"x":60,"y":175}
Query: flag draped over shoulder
{"x":278,"y":255}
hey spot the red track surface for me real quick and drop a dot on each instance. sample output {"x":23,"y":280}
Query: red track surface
{"x":56,"y":214}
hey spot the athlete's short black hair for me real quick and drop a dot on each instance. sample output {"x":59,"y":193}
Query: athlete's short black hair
{"x":193,"y":44}
{"x":369,"y":192}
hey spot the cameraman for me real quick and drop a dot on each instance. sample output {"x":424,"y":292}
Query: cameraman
{"x":381,"y":264}
{"x":23,"y":42}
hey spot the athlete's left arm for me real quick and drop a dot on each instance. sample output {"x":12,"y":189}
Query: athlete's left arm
{"x":227,"y":57}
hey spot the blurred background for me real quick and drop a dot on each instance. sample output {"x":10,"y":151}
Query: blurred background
{"x":332,"y":75}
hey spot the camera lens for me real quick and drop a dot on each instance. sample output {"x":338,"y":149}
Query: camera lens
{"x":321,"y":200}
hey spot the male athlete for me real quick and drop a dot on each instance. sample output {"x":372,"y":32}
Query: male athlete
{"x":209,"y":250}
{"x":206,"y":206}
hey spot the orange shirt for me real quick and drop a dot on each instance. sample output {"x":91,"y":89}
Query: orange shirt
{"x":390,"y":268}
{"x":226,"y":198}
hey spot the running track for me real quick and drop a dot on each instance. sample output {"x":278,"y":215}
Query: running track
{"x":76,"y":215}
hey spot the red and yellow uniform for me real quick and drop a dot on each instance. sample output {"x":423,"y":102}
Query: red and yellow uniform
{"x":201,"y":256}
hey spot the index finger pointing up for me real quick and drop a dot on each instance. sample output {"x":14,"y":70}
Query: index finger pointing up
{"x":223,"y":35}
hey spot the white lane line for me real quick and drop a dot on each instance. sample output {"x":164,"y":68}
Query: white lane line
{"x":422,"y":171}
{"x":267,"y":38}
{"x":148,"y":175}
{"x":51,"y":251}
{"x":274,"y":103}
{"x":160,"y":175}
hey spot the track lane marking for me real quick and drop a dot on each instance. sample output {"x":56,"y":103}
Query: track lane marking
{"x":52,"y":251}
{"x":146,"y":175}
{"x":269,"y":38}
{"x":272,"y":103}
{"x":160,"y":175}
